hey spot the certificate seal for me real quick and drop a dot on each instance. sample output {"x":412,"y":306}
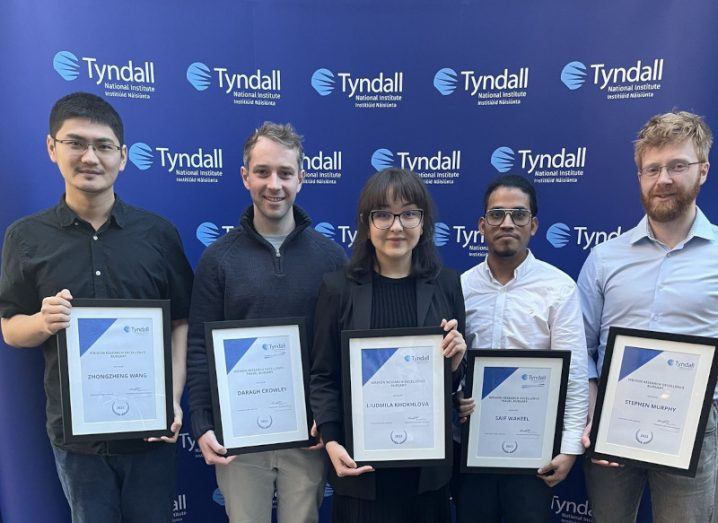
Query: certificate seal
{"x":644,"y":437}
{"x":398,"y":437}
{"x":264,"y":422}
{"x":120,"y":407}
{"x":509,"y":446}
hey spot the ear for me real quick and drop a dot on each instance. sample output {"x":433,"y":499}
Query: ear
{"x":704,"y":172}
{"x":245,"y":177}
{"x":123,"y":161}
{"x":482,"y":226}
{"x":51,"y":148}
{"x":302,"y":174}
{"x":534,"y":225}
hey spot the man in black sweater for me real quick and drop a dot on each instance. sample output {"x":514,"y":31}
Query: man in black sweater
{"x":270,"y":266}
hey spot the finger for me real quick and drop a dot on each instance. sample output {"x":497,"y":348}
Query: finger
{"x":65,"y":294}
{"x":357,"y":471}
{"x":463,"y":420}
{"x":318,"y":446}
{"x":443,"y":322}
{"x":220,"y":460}
{"x":347,"y":461}
{"x":450,"y":325}
{"x":314,"y":432}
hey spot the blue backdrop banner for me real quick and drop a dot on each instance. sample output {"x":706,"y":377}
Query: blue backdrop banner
{"x":456,"y":91}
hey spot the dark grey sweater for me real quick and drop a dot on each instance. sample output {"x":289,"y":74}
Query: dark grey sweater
{"x":241,"y":276}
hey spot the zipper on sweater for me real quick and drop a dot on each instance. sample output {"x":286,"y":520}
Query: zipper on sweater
{"x":278,"y":262}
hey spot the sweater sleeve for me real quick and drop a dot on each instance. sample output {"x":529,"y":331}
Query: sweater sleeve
{"x":207,"y":305}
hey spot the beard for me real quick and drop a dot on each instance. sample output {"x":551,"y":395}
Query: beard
{"x":670,"y":209}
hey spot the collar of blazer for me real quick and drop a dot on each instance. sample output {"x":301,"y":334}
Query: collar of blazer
{"x":362,"y":293}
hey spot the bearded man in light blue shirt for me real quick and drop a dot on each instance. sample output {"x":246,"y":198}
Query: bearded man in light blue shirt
{"x":661,"y":275}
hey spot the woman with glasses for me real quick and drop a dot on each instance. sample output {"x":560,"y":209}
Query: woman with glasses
{"x":394,"y":279}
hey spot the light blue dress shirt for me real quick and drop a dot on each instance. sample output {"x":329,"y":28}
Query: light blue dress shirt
{"x":636,"y":281}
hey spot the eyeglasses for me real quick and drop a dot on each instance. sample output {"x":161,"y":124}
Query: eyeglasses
{"x":520,"y":217}
{"x":78,"y":147}
{"x":408,"y":219}
{"x":673,"y":168}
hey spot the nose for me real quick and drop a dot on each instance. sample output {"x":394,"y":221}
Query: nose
{"x":273,"y":182}
{"x":90,"y":155}
{"x":396,"y":225}
{"x":663,"y":176}
{"x":507,"y":222}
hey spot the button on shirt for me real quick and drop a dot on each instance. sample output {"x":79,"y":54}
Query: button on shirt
{"x":134,"y":255}
{"x":638,"y":282}
{"x":537,"y":309}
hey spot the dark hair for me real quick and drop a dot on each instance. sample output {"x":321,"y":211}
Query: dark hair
{"x":518,"y":182}
{"x":88,"y":106}
{"x":405,"y":186}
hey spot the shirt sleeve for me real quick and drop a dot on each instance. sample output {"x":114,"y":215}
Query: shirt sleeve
{"x":179,"y":275}
{"x":591,"y":297}
{"x":567,"y":334}
{"x":18,"y":294}
{"x":207,"y":305}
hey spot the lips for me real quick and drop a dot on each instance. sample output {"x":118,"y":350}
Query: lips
{"x":274,"y":199}
{"x":507,"y":236}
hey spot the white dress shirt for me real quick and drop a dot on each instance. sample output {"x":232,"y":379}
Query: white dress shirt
{"x":638,"y":282}
{"x":538,"y":309}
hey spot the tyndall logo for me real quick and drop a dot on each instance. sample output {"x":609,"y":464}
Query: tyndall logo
{"x":201,"y":165}
{"x":258,"y":86}
{"x":505,"y":87}
{"x":635,"y":80}
{"x":380,"y":90}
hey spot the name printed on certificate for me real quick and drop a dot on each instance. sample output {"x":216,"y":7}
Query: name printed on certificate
{"x":512,"y":411}
{"x":117,"y":369}
{"x":654,"y":387}
{"x":397,"y":390}
{"x":259,"y":378}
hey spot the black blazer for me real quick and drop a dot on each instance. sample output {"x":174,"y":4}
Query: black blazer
{"x":345,"y":304}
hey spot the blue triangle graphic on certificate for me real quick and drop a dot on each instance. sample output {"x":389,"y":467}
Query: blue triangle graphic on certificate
{"x":495,"y":376}
{"x":634,"y":358}
{"x":235,"y":349}
{"x":372,"y":360}
{"x":90,"y":330}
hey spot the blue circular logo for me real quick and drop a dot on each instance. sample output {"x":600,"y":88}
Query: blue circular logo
{"x":573,"y":75}
{"x":66,"y":65}
{"x":442,"y":233}
{"x":141,"y":155}
{"x":445,"y":81}
{"x":558,"y":235}
{"x":207,"y":233}
{"x":323,"y":81}
{"x":503,"y":159}
{"x":326,"y":229}
{"x":199,"y":76}
{"x":382,"y":159}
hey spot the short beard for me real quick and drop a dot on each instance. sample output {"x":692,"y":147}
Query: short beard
{"x":673,"y":208}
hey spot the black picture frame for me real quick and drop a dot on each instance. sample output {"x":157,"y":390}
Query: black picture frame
{"x":514,"y":358}
{"x":85,"y":307}
{"x":617,"y":340}
{"x":219,"y":413}
{"x":349,"y":388}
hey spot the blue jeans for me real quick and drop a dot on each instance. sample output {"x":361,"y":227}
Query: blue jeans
{"x":615,"y":493}
{"x":119,"y":488}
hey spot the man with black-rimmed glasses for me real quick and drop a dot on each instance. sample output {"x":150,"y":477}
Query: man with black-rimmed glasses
{"x":514,"y":301}
{"x":94,"y":245}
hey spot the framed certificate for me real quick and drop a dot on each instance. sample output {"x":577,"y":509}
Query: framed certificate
{"x":654,"y":398}
{"x":115,"y":363}
{"x":520,"y":396}
{"x":397,"y":397}
{"x":259,"y":372}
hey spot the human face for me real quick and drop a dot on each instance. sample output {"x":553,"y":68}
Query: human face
{"x":393,"y":246}
{"x":88,"y":173}
{"x":273,"y":180}
{"x":507,"y":239}
{"x":667,"y":198}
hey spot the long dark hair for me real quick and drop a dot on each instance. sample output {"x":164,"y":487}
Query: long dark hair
{"x":403,"y":185}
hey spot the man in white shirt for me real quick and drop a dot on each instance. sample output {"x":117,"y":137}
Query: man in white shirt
{"x":514,"y":301}
{"x":661,"y":275}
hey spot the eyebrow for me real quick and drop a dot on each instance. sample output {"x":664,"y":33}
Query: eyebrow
{"x":73,"y":136}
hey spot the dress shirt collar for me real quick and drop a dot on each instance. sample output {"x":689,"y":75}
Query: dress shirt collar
{"x":519,"y":272}
{"x":701,"y":228}
{"x":67,"y":216}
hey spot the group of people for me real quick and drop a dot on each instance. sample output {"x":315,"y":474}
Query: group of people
{"x":660,"y":275}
